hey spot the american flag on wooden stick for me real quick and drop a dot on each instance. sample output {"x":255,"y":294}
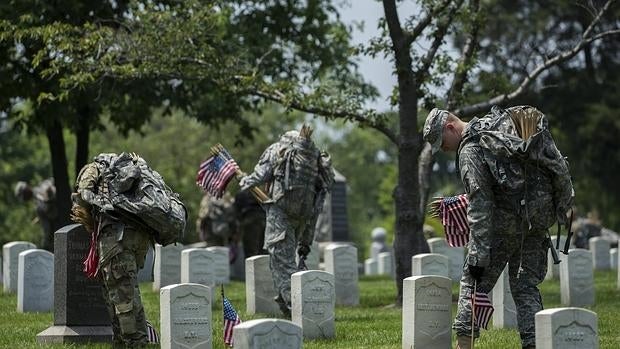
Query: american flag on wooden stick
{"x":216,"y":172}
{"x":452,"y":210}
{"x":151,"y":334}
{"x":230,"y":320}
{"x":483,"y":310}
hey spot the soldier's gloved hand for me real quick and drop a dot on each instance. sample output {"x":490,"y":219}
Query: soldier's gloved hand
{"x":476,"y":272}
{"x":243,"y":183}
{"x":303,"y":250}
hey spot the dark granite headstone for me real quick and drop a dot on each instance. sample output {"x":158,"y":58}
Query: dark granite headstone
{"x":333,"y":223}
{"x":80,"y":314}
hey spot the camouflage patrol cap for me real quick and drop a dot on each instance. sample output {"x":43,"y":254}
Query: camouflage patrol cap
{"x":433,"y":128}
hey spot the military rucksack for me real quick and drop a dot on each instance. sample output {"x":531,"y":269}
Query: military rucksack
{"x":296,"y":175}
{"x":140,"y":194}
{"x":527,"y":153}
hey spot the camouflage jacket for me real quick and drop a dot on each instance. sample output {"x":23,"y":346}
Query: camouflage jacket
{"x":510,"y":190}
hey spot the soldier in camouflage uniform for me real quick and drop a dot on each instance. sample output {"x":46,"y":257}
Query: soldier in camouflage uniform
{"x":297,"y":199}
{"x":44,"y":195}
{"x":250,"y":222}
{"x":511,"y":206}
{"x":216,"y":220}
{"x":122,"y":248}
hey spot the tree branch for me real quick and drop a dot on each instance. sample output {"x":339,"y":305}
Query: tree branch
{"x":463,"y":66}
{"x":396,"y":31}
{"x":438,"y":37}
{"x":553,"y":61}
{"x":280,"y":98}
{"x":410,"y":37}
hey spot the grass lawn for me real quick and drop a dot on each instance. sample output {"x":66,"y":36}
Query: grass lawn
{"x":374,"y":324}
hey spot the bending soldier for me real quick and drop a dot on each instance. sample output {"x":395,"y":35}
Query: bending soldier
{"x":299,"y":176}
{"x":512,"y":203}
{"x":121,"y":246}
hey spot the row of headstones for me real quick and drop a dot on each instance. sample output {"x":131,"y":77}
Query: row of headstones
{"x":427,"y":315}
{"x":186,"y":315}
{"x":454,"y":257}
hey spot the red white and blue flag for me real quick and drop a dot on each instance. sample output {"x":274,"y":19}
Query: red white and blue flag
{"x":453,"y":214}
{"x":483,"y":310}
{"x":216,"y":172}
{"x":230,"y":320}
{"x":151,"y":334}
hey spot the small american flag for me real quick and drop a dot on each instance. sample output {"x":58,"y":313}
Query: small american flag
{"x":453,"y":213}
{"x":230,"y":320}
{"x":484,"y":310}
{"x":215,"y":173}
{"x":151,"y":334}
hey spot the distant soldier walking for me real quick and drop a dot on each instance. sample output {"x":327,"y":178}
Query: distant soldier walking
{"x":298,"y":176}
{"x":44,"y":196}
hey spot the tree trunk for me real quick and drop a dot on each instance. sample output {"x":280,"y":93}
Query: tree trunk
{"x":61,"y":175}
{"x":409,"y":237}
{"x":82,"y":135}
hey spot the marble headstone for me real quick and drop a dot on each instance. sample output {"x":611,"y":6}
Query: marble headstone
{"x":146,"y":273}
{"x":566,"y":328}
{"x":613,"y":258}
{"x":221,"y":264}
{"x":553,"y":270}
{"x":427,"y":312}
{"x":505,"y":314}
{"x":430,"y":264}
{"x":186,"y":317}
{"x":600,"y":253}
{"x":35,"y":281}
{"x":10,"y":253}
{"x":385,"y":263}
{"x":197,"y":266}
{"x":577,"y":278}
{"x":456,"y":256}
{"x":341,"y":261}
{"x":371,"y":267}
{"x":267,"y":334}
{"x":167,"y":268}
{"x":313,"y":300}
{"x":314,"y":257}
{"x":259,"y":289}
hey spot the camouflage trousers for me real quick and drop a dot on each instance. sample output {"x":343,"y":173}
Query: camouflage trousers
{"x":531,"y":259}
{"x":122,"y":252}
{"x":282,"y":265}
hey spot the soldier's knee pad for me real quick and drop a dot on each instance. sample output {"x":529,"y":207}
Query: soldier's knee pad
{"x":126,"y":318}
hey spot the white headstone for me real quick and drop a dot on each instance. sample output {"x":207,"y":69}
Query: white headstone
{"x":146,"y":273}
{"x":427,"y":312}
{"x":259,"y":289}
{"x":553,"y":270}
{"x":613,"y":258}
{"x":314,"y":257}
{"x":566,"y":328}
{"x":341,"y":261}
{"x":10,"y":255}
{"x":371,"y":267}
{"x":600,"y":253}
{"x":385,"y":263}
{"x":430,"y":264}
{"x":577,"y":278}
{"x":267,"y":334}
{"x":505,"y":314}
{"x":313,"y":300}
{"x":35,"y":281}
{"x":222,"y":264}
{"x":198,"y":266}
{"x":167,"y":268}
{"x":456,"y":256}
{"x":185,"y":316}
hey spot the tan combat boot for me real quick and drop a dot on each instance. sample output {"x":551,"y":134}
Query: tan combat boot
{"x":463,"y":342}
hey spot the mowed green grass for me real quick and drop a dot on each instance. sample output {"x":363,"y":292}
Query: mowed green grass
{"x":374,"y":324}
